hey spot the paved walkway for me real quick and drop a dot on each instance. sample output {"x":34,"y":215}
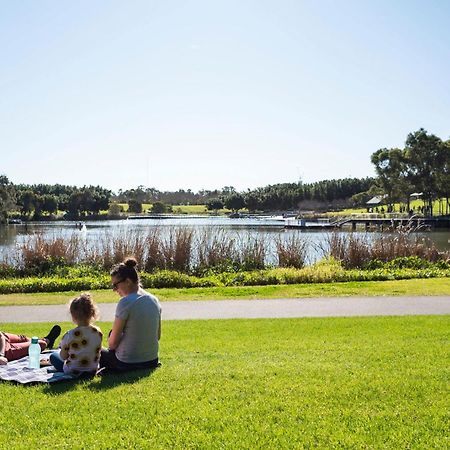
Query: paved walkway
{"x":230,"y":309}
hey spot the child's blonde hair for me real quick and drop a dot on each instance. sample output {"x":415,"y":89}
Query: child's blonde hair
{"x":83,"y":308}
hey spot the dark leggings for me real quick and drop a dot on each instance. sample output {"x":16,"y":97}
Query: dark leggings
{"x":57,"y":361}
{"x":58,"y":364}
{"x":109,"y":361}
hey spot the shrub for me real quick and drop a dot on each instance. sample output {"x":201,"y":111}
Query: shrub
{"x":324,"y":272}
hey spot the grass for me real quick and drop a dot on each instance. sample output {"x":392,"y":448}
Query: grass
{"x":413,"y":204}
{"x":181,"y":209}
{"x":413,"y":287}
{"x":297,"y":383}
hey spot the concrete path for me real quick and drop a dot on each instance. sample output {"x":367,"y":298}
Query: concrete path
{"x":230,"y":309}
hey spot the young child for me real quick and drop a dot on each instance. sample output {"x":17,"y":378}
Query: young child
{"x":80,"y":347}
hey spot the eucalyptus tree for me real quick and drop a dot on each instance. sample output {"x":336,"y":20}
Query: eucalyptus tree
{"x":235,"y":202}
{"x":7,"y":198}
{"x":443,"y":177}
{"x":425,"y":156}
{"x":391,"y":168}
{"x":25,"y":200}
{"x":214,"y":204}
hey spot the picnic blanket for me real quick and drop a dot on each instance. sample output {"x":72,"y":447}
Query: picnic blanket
{"x":18,"y":371}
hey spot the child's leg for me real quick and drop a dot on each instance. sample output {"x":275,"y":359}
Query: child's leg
{"x":57,"y":361}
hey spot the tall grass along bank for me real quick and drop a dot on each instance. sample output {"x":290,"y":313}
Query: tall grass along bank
{"x":203,"y":251}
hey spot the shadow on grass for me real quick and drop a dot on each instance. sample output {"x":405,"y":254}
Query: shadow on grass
{"x":100,"y":382}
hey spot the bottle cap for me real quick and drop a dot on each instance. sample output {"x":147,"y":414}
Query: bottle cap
{"x":34,"y":340}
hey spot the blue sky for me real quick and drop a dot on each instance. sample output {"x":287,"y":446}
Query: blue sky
{"x":206,"y":94}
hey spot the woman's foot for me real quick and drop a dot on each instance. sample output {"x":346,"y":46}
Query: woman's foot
{"x":52,"y":335}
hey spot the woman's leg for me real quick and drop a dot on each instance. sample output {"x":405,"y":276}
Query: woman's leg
{"x":57,"y":361}
{"x":109,"y":361}
{"x":20,"y":350}
{"x":16,"y":338}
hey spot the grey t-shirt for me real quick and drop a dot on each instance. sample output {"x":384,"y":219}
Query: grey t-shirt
{"x":142,"y":313}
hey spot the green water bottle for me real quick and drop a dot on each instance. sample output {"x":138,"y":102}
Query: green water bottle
{"x":34,"y":353}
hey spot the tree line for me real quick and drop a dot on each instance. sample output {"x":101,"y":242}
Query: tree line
{"x":39,"y":199}
{"x":324,"y":194}
{"x":421,"y":167}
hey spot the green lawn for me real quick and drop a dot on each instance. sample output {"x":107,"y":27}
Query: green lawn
{"x":300,"y":383}
{"x":181,"y":209}
{"x":414,"y":204}
{"x":432,"y":286}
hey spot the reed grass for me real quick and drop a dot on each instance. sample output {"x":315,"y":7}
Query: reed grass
{"x":206,"y":251}
{"x":177,"y":249}
{"x":359,"y":251}
{"x":216,"y":250}
{"x":253,"y":250}
{"x":291,"y":252}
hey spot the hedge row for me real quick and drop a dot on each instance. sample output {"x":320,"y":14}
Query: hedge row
{"x":322,"y":273}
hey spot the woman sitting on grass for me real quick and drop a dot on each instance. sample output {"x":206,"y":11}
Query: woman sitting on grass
{"x":15,"y":346}
{"x":80,"y":347}
{"x":134,"y":339}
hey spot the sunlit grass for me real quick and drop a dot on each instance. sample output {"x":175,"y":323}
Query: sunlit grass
{"x":416,"y":204}
{"x":181,"y":209}
{"x":300,"y":383}
{"x":413,"y":287}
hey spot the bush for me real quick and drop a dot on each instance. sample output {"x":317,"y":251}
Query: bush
{"x":324,"y":272}
{"x":159,"y":208}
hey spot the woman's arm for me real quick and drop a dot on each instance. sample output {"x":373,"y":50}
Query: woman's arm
{"x":159,"y":329}
{"x":116,"y":333}
{"x":3,"y":360}
{"x":2,"y":345}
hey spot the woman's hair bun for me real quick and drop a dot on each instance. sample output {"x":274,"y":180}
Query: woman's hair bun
{"x":130,"y":262}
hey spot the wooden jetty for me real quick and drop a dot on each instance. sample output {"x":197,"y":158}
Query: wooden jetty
{"x":372,"y":222}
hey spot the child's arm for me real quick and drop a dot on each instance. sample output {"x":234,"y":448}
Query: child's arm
{"x":65,"y":346}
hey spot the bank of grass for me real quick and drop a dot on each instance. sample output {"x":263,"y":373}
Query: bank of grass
{"x":295,"y":383}
{"x":416,"y":204}
{"x":180,"y":209}
{"x":413,"y":287}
